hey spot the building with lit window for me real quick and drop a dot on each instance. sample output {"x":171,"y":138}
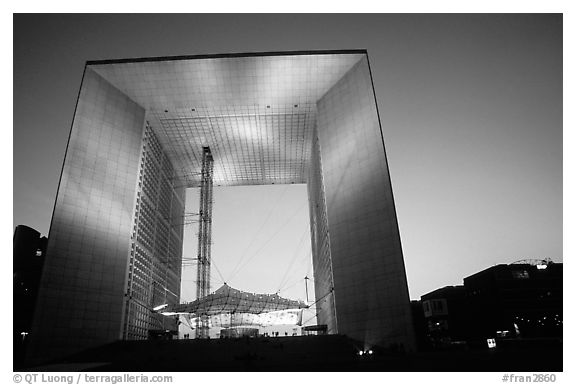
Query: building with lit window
{"x":29,"y":248}
{"x":518,"y":300}
{"x":136,"y":144}
{"x":445,"y":315}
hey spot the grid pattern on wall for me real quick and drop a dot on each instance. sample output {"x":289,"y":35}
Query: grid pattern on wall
{"x":156,"y":246}
{"x":81,"y":291}
{"x":372,"y":301}
{"x":255,"y":113}
{"x":320,"y":242}
{"x":227,"y":81}
{"x":250,"y":144}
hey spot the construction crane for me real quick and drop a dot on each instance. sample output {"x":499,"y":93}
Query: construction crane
{"x":204,"y":237}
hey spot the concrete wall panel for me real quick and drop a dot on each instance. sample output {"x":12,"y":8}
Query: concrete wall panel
{"x":371,"y":292}
{"x":82,"y":287}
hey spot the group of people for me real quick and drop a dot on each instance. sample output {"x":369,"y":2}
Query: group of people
{"x":277,"y":334}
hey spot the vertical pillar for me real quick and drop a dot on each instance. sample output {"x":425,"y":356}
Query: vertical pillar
{"x":81,"y":298}
{"x":204,"y":237}
{"x":370,"y":299}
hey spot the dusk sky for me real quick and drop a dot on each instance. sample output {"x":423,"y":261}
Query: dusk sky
{"x":471,"y":112}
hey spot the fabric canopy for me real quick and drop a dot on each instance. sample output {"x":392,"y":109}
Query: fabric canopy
{"x":227,"y":320}
{"x":227,"y":300}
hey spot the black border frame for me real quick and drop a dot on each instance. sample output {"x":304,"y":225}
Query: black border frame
{"x":227,"y":56}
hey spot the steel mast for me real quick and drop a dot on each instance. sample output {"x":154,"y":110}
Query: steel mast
{"x":204,"y":237}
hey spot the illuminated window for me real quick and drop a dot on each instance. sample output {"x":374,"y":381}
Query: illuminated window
{"x":520,"y":274}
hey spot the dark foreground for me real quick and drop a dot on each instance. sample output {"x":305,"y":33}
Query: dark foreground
{"x":312,"y":353}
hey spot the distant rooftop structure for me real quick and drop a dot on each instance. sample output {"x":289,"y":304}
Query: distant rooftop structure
{"x":534,"y":262}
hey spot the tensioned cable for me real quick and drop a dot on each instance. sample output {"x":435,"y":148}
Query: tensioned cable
{"x":292,"y":284}
{"x":268,"y":241}
{"x":310,"y":263}
{"x":212,"y":280}
{"x":309,"y":319}
{"x":165,"y":288}
{"x":292,"y":260}
{"x":259,"y":229}
{"x":188,"y":262}
{"x":306,"y":256}
{"x":218,"y":271}
{"x":318,"y":310}
{"x":321,"y":298}
{"x":287,"y":282}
